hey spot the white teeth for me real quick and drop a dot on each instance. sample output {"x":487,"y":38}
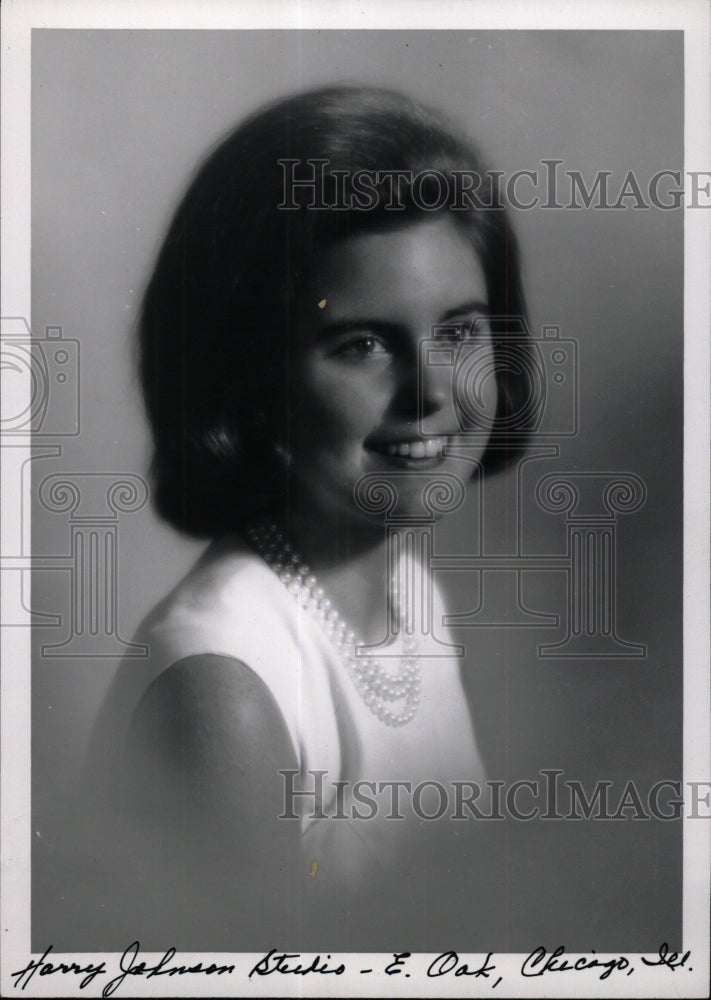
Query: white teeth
{"x":417,"y":449}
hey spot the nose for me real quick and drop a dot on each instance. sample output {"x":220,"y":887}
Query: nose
{"x":433,"y":390}
{"x":423,"y":389}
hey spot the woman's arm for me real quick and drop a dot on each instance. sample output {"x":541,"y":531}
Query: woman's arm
{"x":208,"y":736}
{"x":200,"y":794}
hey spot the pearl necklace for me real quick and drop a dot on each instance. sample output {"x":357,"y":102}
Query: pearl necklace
{"x":377,"y":687}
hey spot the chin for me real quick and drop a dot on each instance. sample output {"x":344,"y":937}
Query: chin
{"x":410,"y":496}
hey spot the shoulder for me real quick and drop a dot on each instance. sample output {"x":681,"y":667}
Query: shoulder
{"x":189,"y":823}
{"x":211,"y":704}
{"x":225,"y":653}
{"x":208,"y":742}
{"x":230,"y":603}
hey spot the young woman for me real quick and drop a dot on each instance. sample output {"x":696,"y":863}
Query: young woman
{"x":259,"y":768}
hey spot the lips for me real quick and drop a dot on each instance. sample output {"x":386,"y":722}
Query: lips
{"x":417,"y":448}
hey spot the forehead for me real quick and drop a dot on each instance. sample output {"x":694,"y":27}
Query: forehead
{"x":426,"y":266}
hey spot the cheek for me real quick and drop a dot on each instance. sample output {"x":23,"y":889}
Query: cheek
{"x":336,"y":406}
{"x":476,"y":389}
{"x":491,"y":397}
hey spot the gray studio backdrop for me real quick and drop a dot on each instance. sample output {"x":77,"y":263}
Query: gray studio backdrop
{"x":119,"y":121}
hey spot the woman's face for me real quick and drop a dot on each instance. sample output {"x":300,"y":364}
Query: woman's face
{"x":359,"y":402}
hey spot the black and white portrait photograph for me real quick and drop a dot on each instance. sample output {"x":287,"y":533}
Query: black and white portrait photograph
{"x":355,"y":439}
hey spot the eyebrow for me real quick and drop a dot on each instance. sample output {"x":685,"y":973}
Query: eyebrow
{"x":346,"y":325}
{"x":338,"y":326}
{"x":466,"y":309}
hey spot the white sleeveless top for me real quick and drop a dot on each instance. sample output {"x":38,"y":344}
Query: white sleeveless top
{"x":233,"y":604}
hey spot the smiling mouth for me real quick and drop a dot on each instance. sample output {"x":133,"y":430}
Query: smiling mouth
{"x":431,"y":448}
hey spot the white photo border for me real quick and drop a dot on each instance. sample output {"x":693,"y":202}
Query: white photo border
{"x":689,"y":16}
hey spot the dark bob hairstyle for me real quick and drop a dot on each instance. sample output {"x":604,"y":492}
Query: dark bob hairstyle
{"x":217,"y":312}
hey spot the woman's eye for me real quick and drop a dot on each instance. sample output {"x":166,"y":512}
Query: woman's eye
{"x":363,"y":346}
{"x":451,"y":333}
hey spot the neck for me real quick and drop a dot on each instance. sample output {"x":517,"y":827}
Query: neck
{"x":350,"y":563}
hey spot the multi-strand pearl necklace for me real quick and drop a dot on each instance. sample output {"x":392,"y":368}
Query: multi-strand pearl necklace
{"x":377,"y":687}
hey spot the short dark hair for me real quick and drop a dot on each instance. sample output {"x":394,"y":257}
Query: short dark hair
{"x":223,"y":294}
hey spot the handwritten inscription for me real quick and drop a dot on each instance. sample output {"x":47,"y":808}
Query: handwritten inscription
{"x":449,"y":963}
{"x":275,"y":961}
{"x":45,"y":968}
{"x":128,"y":966}
{"x":671,"y":959}
{"x":539,"y":963}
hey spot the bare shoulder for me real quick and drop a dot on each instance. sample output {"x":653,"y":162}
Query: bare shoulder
{"x":192,"y":826}
{"x":209,"y":727}
{"x":212,"y":700}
